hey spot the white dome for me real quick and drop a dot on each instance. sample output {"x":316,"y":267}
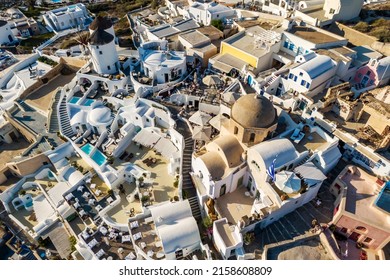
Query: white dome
{"x":155,"y":58}
{"x":100,"y":116}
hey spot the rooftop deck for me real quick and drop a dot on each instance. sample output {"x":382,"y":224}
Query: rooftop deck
{"x":312,"y":35}
{"x":27,"y":218}
{"x":162,"y":181}
{"x":150,"y":240}
{"x":120,"y":213}
{"x":42,"y":97}
{"x":113,"y":247}
{"x":311,"y":141}
{"x":235,"y":205}
{"x":360,"y":198}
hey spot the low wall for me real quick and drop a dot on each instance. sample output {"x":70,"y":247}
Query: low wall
{"x":358,"y":38}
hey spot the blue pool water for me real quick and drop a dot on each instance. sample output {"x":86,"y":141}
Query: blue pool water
{"x":383,"y":200}
{"x":97,"y":157}
{"x":29,"y":203}
{"x":56,"y":1}
{"x":88,"y":102}
{"x":87,"y":148}
{"x":74,"y":100}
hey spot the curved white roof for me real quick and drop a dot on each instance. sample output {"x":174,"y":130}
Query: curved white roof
{"x":176,"y":226}
{"x":99,"y":116}
{"x":158,"y":58}
{"x":79,"y":117}
{"x":317,"y":66}
{"x":281,"y":149}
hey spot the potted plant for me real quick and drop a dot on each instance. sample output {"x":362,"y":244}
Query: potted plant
{"x":141,"y":181}
{"x":22,"y":193}
{"x":248,"y":238}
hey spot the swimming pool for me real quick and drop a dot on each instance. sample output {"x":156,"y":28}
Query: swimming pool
{"x":87,"y":148}
{"x":88,"y":102}
{"x":56,"y":1}
{"x":383,"y":200}
{"x":74,"y":100}
{"x":97,"y":157}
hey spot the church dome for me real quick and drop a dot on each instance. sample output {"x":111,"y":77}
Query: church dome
{"x":253,"y":110}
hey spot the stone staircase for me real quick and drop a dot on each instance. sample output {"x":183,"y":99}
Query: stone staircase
{"x":64,"y":119}
{"x":195,"y":209}
{"x":54,"y":126}
{"x":186,"y":163}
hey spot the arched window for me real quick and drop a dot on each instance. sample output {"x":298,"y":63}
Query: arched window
{"x":361,"y":228}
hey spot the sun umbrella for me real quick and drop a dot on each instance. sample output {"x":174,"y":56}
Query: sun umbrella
{"x":217,"y":121}
{"x":211,"y":80}
{"x":288,"y":182}
{"x":200,"y":118}
{"x":201,"y":133}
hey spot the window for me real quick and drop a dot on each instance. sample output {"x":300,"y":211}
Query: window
{"x":295,"y":78}
{"x":235,"y":130}
{"x":368,"y":73}
{"x":109,"y":67}
{"x":308,"y":85}
{"x":332,"y":11}
{"x":303,"y":83}
{"x":300,"y":74}
{"x":100,"y":52}
{"x":367,"y":240}
{"x":290,"y":76}
{"x":97,"y":47}
{"x":252,"y":137}
{"x":361,"y":228}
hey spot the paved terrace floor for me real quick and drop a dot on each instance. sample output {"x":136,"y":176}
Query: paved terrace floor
{"x":162,"y":181}
{"x":120,"y":213}
{"x":42,"y":97}
{"x":235,"y":205}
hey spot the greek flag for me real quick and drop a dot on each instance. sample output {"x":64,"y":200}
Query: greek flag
{"x":271,"y":170}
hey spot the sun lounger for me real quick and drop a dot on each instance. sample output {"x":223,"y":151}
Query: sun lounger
{"x":100,"y":253}
{"x":137,"y":236}
{"x":130,"y":256}
{"x":134,"y":225}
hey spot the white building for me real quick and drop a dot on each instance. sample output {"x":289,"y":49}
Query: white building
{"x":102,"y":47}
{"x":158,"y":68}
{"x":313,"y":75}
{"x":204,"y":13}
{"x":177,"y":229}
{"x":324,"y":12}
{"x":73,"y":16}
{"x":6,"y":35}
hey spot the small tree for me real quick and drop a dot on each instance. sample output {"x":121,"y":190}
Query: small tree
{"x":217,"y":23}
{"x":207,"y":222}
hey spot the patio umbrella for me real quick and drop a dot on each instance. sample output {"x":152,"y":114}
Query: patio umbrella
{"x":211,"y":80}
{"x":200,"y":118}
{"x":217,"y":121}
{"x":201,"y":133}
{"x":288,"y":182}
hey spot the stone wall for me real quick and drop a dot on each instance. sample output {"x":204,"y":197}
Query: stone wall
{"x":358,"y":38}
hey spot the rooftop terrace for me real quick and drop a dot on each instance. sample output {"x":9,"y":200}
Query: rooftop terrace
{"x":361,"y":196}
{"x":312,"y":35}
{"x":235,"y":205}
